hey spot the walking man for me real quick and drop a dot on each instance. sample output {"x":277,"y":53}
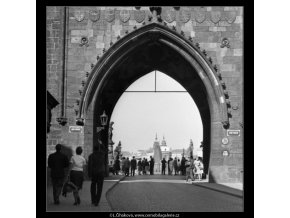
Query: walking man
{"x":96,"y":171}
{"x":133,"y":166}
{"x":151,"y":165}
{"x":163,"y":166}
{"x":57,"y":162}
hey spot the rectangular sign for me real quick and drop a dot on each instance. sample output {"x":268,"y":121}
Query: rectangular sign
{"x":233,"y":132}
{"x":75,"y":129}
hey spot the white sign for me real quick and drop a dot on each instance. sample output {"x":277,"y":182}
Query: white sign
{"x":75,"y":129}
{"x":233,"y":132}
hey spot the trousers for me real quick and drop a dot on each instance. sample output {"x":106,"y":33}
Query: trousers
{"x":97,"y":187}
{"x":57,"y":184}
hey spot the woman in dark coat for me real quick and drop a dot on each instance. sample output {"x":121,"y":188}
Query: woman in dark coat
{"x":117,"y":166}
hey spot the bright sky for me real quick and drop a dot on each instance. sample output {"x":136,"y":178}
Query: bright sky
{"x":139,"y":116}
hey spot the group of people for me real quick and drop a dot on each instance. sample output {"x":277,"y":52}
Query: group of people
{"x":192,"y":168}
{"x":124,"y":166}
{"x":58,"y":162}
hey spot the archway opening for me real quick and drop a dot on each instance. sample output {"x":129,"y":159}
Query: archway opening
{"x":154,"y":105}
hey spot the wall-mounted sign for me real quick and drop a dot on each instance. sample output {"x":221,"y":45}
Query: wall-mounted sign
{"x":75,"y":129}
{"x":225,"y":153}
{"x":233,"y":132}
{"x":225,"y":141}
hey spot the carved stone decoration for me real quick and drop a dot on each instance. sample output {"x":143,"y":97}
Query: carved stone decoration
{"x":231,"y":17}
{"x":156,"y":13}
{"x":235,"y":106}
{"x":228,"y":102}
{"x":169,"y":15}
{"x":111,"y":133}
{"x":225,"y":141}
{"x":80,"y":121}
{"x":139,"y":15}
{"x":84,"y":41}
{"x":62,"y":120}
{"x":185,"y":15}
{"x":225,"y":124}
{"x":215,"y":16}
{"x":79,"y":15}
{"x":241,"y":124}
{"x":225,"y":43}
{"x":94,"y":15}
{"x":200,"y":16}
{"x":109,"y":15}
{"x":124,"y":15}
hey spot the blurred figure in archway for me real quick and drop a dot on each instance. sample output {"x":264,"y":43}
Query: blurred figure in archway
{"x":163,"y":162}
{"x":139,"y":167}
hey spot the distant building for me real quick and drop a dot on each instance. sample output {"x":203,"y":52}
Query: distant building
{"x":165,"y":150}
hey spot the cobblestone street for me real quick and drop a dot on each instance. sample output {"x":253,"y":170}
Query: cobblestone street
{"x":169,"y":194}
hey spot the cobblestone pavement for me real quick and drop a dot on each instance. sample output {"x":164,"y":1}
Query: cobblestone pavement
{"x":163,"y":193}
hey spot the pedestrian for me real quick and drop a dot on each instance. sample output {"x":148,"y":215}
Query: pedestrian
{"x":123,"y":165}
{"x":133,"y":166}
{"x":57,"y":162}
{"x":178,"y":166}
{"x":127,"y":166}
{"x":143,"y":166}
{"x":96,"y":171}
{"x":182,"y":166}
{"x":117,"y":165}
{"x":139,"y":167}
{"x":189,"y":169}
{"x":151,"y":163}
{"x":146,"y":166}
{"x":163,"y":162}
{"x":175,"y":166}
{"x":198,"y":168}
{"x":170,"y":166}
{"x":77,"y":173}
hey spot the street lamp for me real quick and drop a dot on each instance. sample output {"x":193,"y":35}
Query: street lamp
{"x":104,"y":119}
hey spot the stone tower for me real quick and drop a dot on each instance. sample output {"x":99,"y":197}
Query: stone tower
{"x":94,"y":53}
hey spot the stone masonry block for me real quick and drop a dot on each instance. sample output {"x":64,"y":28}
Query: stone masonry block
{"x":238,"y":52}
{"x":100,"y":45}
{"x":227,"y":67}
{"x":239,"y":19}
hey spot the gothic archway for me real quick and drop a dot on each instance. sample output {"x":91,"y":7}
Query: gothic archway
{"x":155,"y":47}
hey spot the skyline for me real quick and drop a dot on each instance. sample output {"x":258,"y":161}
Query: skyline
{"x":138,"y":117}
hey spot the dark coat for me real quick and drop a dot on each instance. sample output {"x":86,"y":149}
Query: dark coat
{"x":57,"y":162}
{"x":163,"y":163}
{"x":117,"y":165}
{"x":133,"y":163}
{"x":151,"y":162}
{"x":127,"y":164}
{"x":96,"y":163}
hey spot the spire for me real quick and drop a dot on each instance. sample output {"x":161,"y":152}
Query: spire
{"x":156,"y":137}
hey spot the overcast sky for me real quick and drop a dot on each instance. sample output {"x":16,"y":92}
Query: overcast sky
{"x":139,"y":116}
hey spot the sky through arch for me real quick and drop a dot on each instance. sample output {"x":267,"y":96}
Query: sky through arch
{"x":138,"y":116}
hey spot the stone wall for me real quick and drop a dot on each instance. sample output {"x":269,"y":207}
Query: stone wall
{"x":218,"y":30}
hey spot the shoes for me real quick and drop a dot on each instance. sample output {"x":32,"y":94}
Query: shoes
{"x":78,"y":200}
{"x":56,"y":202}
{"x":76,"y":203}
{"x":96,"y":204}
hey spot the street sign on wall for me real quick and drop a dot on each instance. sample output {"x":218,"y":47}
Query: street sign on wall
{"x":75,"y":129}
{"x":233,"y":132}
